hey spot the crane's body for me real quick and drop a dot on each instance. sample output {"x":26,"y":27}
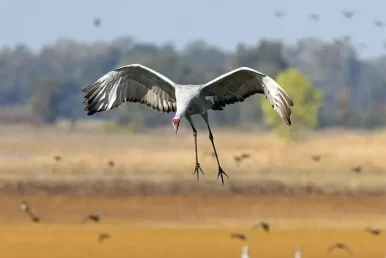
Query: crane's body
{"x":138,"y":83}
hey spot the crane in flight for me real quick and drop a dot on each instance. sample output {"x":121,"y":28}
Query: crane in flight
{"x":141,"y":84}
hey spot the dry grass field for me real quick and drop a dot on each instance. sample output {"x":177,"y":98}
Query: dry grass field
{"x":159,"y":159}
{"x":152,"y":205}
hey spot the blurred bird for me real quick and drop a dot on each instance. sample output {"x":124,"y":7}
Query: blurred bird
{"x":340,"y":246}
{"x":314,"y":16}
{"x":239,"y":236}
{"x":111,"y":163}
{"x":374,"y":232}
{"x":262,"y":225}
{"x":379,"y":23}
{"x":280,"y":14}
{"x":103,"y":236}
{"x":357,"y":169}
{"x":97,"y":22}
{"x":348,"y":14}
{"x":25,"y":207}
{"x":93,"y":217}
{"x":315,"y":158}
{"x":241,"y":157}
{"x":57,"y":158}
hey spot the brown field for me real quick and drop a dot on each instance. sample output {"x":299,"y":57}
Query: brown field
{"x":191,"y":226}
{"x":157,"y":162}
{"x":152,"y":206}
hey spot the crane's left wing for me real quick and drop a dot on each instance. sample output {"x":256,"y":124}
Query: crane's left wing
{"x":239,"y":84}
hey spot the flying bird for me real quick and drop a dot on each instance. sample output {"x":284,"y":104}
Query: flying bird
{"x":348,"y":14}
{"x":111,"y":163}
{"x":280,"y":14}
{"x":93,"y":217}
{"x":97,"y":22}
{"x":374,"y":232}
{"x":25,"y":207}
{"x":240,"y":236}
{"x":262,"y":225}
{"x":340,"y":246}
{"x":103,"y":236}
{"x":241,"y":157}
{"x":138,"y":83}
{"x":57,"y":158}
{"x":314,"y":16}
{"x":379,"y":23}
{"x":357,"y":169}
{"x":315,"y":158}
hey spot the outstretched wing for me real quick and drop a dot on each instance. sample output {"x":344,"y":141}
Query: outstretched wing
{"x":131,"y":83}
{"x":332,"y":247}
{"x":239,"y":84}
{"x":348,"y":250}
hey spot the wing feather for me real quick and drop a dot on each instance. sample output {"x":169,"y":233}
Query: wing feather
{"x":131,"y":83}
{"x":239,"y":84}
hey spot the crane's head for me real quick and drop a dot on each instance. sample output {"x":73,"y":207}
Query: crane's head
{"x":176,"y":123}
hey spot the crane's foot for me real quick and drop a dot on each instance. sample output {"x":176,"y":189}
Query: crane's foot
{"x":198,"y":169}
{"x":221,"y":173}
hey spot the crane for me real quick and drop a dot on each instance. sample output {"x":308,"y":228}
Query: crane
{"x":141,"y":84}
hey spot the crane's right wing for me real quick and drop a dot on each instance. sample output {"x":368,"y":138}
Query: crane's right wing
{"x":131,"y":83}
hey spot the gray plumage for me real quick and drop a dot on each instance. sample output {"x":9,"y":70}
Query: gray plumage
{"x":141,"y":84}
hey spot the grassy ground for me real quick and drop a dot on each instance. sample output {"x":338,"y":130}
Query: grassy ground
{"x":152,"y":206}
{"x":160,"y":158}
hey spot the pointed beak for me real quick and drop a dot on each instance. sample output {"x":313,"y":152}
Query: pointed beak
{"x":176,"y":127}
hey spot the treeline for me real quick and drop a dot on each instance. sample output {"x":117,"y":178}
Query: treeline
{"x":49,"y":82}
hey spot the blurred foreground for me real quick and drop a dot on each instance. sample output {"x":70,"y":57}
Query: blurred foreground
{"x":323,"y":189}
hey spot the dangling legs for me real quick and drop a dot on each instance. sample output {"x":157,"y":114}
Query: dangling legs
{"x":197,"y":168}
{"x":220,"y":170}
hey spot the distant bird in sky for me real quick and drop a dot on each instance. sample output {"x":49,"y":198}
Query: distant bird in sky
{"x":25,"y":207}
{"x":97,"y":22}
{"x":341,"y":246}
{"x":280,"y":14}
{"x":138,"y":83}
{"x":314,"y":16}
{"x":373,"y":231}
{"x":103,"y":236}
{"x":92,"y":217}
{"x":379,"y":23}
{"x":240,"y":236}
{"x":57,"y":158}
{"x":348,"y":14}
{"x":263,"y":225}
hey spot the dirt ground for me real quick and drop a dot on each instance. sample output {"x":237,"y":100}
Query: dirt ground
{"x":191,"y":226}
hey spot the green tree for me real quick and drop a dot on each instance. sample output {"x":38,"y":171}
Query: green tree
{"x":307,"y":101}
{"x":46,"y":99}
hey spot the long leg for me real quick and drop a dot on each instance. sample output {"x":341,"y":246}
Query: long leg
{"x":221,"y":172}
{"x":197,"y":168}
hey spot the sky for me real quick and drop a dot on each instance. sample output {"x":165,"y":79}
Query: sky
{"x":223,"y":23}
